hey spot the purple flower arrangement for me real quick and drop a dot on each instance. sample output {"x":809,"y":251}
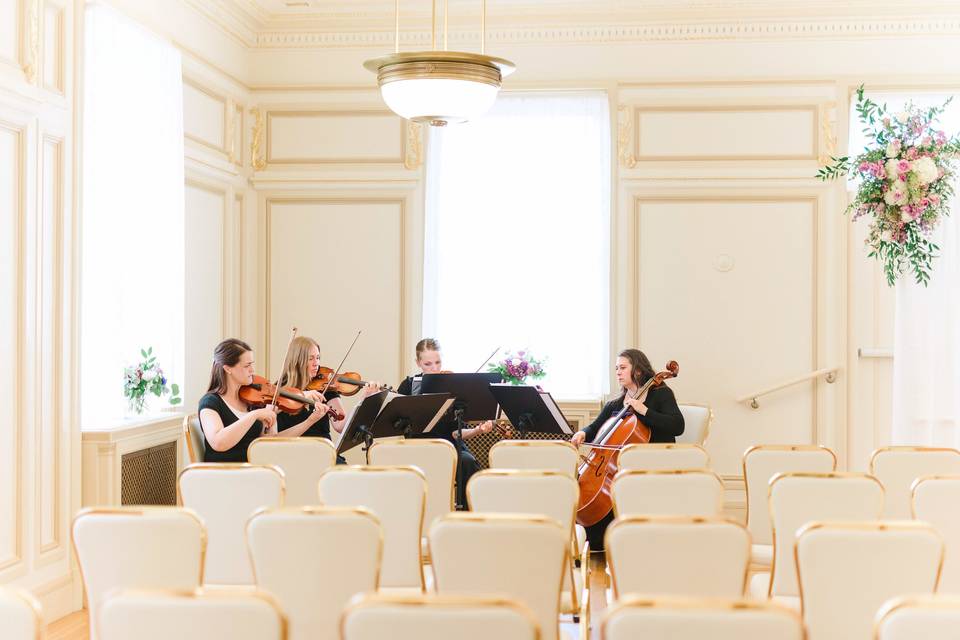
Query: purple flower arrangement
{"x":516,"y":368}
{"x":147,"y":377}
{"x":905,"y":184}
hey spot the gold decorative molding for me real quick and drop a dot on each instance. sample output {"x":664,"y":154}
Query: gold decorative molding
{"x":828,"y":134}
{"x":413,"y":156}
{"x":31,"y":65}
{"x":257,"y":160}
{"x":624,"y":129}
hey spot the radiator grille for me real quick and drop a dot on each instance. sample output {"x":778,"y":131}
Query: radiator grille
{"x":149,"y":476}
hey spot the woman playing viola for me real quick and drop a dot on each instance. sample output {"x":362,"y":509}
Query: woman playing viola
{"x":657,"y":409}
{"x":229,"y":426}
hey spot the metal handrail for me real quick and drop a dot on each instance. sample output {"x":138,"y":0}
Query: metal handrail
{"x":829,"y":373}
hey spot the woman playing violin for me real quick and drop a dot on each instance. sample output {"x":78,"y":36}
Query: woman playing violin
{"x":429,"y":361}
{"x":229,"y":426}
{"x":657,"y":409}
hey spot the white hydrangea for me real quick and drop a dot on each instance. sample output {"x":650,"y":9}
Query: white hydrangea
{"x":897,"y":194}
{"x":893,"y":148}
{"x":892,"y":170}
{"x":905,"y":217}
{"x":926,"y":170}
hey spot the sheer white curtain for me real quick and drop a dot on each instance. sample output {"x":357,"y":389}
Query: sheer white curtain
{"x":517,"y":237}
{"x":926,"y":354}
{"x":133,"y":209}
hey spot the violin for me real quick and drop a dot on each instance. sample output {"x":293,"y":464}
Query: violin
{"x":347,"y":383}
{"x":602,"y":463}
{"x":261,"y":392}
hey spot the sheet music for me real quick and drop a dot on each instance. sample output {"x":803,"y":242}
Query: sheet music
{"x":555,"y":412}
{"x":442,"y":412}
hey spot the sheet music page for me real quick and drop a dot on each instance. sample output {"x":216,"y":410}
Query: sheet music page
{"x":442,"y":412}
{"x":555,"y":412}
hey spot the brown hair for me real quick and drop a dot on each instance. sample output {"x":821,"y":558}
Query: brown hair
{"x":296,"y":374}
{"x":226,"y":354}
{"x":640,"y":368}
{"x":427,"y":344}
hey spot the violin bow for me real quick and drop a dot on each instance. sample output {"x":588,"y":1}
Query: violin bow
{"x":339,"y":366}
{"x":276,"y":390}
{"x":487,"y":360}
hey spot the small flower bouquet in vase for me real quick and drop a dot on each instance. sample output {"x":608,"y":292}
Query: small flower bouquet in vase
{"x":147,"y":377}
{"x":905,"y":183}
{"x":516,"y":368}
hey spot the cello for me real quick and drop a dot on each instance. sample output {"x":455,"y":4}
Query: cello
{"x":602,"y":463}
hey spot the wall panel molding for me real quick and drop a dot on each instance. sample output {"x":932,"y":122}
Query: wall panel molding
{"x":336,"y":122}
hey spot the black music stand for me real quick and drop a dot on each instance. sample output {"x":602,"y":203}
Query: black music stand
{"x":386,"y":414}
{"x":472,"y":402}
{"x":530,"y":409}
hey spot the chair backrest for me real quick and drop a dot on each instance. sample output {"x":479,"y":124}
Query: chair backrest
{"x":912,"y":617}
{"x":559,"y":455}
{"x":397,"y":496}
{"x":438,"y":617}
{"x":799,"y":498}
{"x":761,"y":463}
{"x":663,"y":456}
{"x":314,"y":560}
{"x":193,"y":436}
{"x":681,"y":492}
{"x":936,"y":500}
{"x":198,"y":615}
{"x":697,"y":618}
{"x":137,"y":547}
{"x":678,"y":556}
{"x":517,"y":556}
{"x":848,"y":570}
{"x":898,"y":467}
{"x":302,"y":460}
{"x":20,"y":615}
{"x":225,"y":495}
{"x":697,"y":419}
{"x":438,"y":461}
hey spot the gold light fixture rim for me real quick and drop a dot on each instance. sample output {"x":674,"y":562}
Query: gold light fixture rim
{"x":505,"y":67}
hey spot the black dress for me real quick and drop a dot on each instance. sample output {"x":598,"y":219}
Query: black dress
{"x":665,"y":421}
{"x":467,"y":464}
{"x":320,"y":429}
{"x":238,"y":452}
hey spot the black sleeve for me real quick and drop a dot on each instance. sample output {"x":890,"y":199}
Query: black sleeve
{"x":663,"y":415}
{"x":209,"y":401}
{"x":605,"y":414}
{"x":286,"y":420}
{"x":405,"y":387}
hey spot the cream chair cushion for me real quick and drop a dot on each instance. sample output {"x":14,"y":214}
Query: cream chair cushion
{"x":546,"y":492}
{"x":396,"y":495}
{"x":19,"y":615}
{"x":162,"y":615}
{"x":677,"y":556}
{"x":520,"y":557}
{"x":137,"y":547}
{"x":435,"y":617}
{"x":193,"y":436}
{"x":936,"y":500}
{"x":897,"y":468}
{"x":799,"y":498}
{"x":559,"y":455}
{"x":687,"y":492}
{"x":913,"y":617}
{"x":665,"y":457}
{"x":225,"y":496}
{"x":437,"y":459}
{"x":697,"y":619}
{"x":302,"y":460}
{"x":314,"y":560}
{"x":760,"y":464}
{"x":696,"y":423}
{"x":848,"y":570}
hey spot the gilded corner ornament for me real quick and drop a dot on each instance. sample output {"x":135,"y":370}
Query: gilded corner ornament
{"x":32,"y":62}
{"x":257,"y":160}
{"x":624,"y":128}
{"x":828,"y":136}
{"x":413,"y":154}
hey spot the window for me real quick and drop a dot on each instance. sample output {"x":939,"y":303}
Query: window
{"x":132,"y":221}
{"x":517,"y":238}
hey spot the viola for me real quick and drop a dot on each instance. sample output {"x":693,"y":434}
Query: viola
{"x":347,"y":383}
{"x":261,"y":392}
{"x":598,"y":468}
